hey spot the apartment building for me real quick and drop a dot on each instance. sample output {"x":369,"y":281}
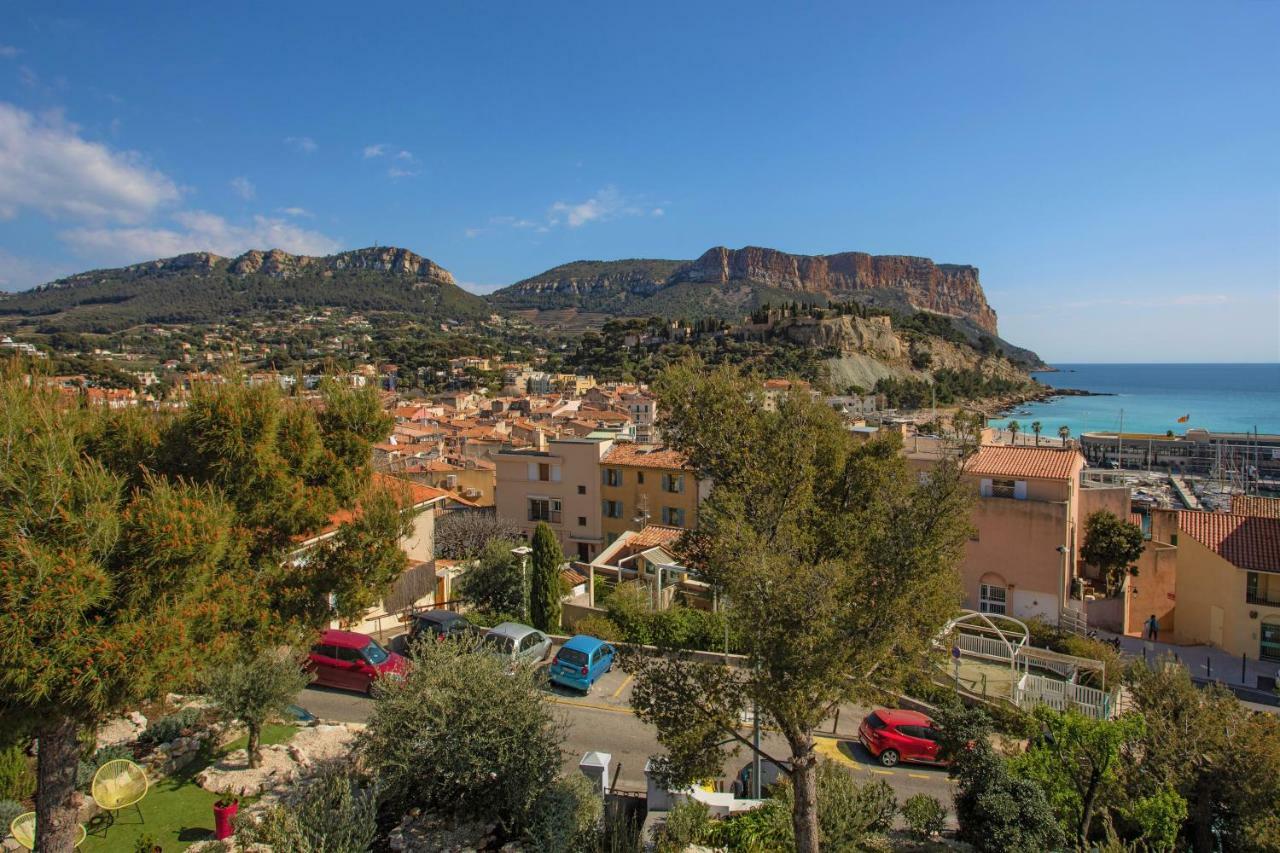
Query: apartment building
{"x":1028,"y":517}
{"x":646,"y":484}
{"x":560,"y":485}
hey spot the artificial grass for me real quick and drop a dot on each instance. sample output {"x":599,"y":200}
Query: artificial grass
{"x":177,"y":811}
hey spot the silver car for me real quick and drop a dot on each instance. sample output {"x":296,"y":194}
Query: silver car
{"x":518,"y":642}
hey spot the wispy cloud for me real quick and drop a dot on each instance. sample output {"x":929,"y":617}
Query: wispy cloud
{"x":371,"y":151}
{"x":296,"y":211}
{"x":8,"y":51}
{"x":606,"y":204}
{"x":198,"y":231}
{"x":403,"y":165}
{"x":303,"y":144}
{"x":243,"y":187}
{"x":46,"y":165}
{"x":18,"y":273}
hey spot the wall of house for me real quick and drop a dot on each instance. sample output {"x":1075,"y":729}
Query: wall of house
{"x":578,"y":490}
{"x":1157,"y":579}
{"x":631,"y":492}
{"x":1017,"y":542}
{"x":483,"y":481}
{"x":420,"y":543}
{"x":1211,"y":602}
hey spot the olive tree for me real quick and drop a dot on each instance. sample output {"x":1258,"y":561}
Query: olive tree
{"x":254,"y":689}
{"x":839,"y":563}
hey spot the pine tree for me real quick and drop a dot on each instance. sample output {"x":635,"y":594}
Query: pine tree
{"x":544,"y":591}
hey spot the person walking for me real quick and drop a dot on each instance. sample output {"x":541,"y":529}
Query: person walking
{"x":1153,"y":628}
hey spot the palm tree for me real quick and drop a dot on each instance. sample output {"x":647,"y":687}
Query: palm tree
{"x":1064,"y":432}
{"x":1036,"y":426}
{"x":1013,"y":428}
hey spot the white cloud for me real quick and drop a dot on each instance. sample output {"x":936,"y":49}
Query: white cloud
{"x":198,"y":231}
{"x":243,"y":187}
{"x":404,"y":155}
{"x":606,"y":204}
{"x":371,"y":151}
{"x":303,"y":144}
{"x":408,"y":164}
{"x":657,"y":211}
{"x":8,"y":51}
{"x":46,"y":165}
{"x":397,"y":172}
{"x":296,"y":211}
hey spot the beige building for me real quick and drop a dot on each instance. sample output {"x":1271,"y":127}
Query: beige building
{"x":559,"y":485}
{"x":642,"y":485}
{"x":1228,"y":585}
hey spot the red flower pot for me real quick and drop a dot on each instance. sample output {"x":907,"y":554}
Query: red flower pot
{"x":223,"y":814}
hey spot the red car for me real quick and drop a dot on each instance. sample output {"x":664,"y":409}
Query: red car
{"x":893,"y":736}
{"x":352,"y":661}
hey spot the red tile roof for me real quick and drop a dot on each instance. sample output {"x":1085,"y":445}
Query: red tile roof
{"x":1255,"y":505}
{"x":654,"y":535}
{"x":1245,"y":541}
{"x":1031,"y":463}
{"x":645,"y":456}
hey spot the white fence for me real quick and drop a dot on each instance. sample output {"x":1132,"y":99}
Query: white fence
{"x":1061,"y":695}
{"x":991,"y":648}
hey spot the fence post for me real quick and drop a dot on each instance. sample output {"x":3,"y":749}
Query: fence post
{"x":1243,"y":658}
{"x":1208,"y":667}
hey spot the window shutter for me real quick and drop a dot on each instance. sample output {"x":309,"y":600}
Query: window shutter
{"x":1020,"y":490}
{"x":555,"y":474}
{"x":985,"y":489}
{"x":533,"y":470}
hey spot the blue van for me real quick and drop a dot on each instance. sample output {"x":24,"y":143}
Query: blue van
{"x":581,"y":661}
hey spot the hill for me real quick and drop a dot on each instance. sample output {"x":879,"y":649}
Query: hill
{"x":203,"y":288}
{"x":729,"y":284}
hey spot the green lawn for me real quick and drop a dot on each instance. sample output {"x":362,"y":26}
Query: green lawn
{"x":177,"y":811}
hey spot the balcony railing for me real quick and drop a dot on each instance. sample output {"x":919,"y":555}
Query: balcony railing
{"x":1265,"y":599}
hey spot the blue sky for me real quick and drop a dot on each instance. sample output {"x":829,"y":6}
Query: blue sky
{"x":1112,"y":169}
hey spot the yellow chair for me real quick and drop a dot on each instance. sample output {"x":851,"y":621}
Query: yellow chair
{"x":23,"y":830}
{"x":119,"y":784}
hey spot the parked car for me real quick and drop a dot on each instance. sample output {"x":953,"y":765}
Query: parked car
{"x":892,"y":736}
{"x":580,"y":661}
{"x":441,"y":624}
{"x":352,"y":661}
{"x":770,"y":773}
{"x":517,"y":642}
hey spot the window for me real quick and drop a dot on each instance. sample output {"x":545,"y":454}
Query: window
{"x":991,"y":599}
{"x":1002,"y":488}
{"x":611,"y":509}
{"x":1269,"y":649}
{"x":673,"y":516}
{"x":612,"y":476}
{"x":640,"y":477}
{"x":544,"y":509}
{"x":544,"y":472}
{"x":582,"y":521}
{"x":673,"y":483}
{"x":582,"y":490}
{"x":348,"y":654}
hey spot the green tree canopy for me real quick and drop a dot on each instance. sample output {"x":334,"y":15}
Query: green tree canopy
{"x":1113,"y":545}
{"x":544,"y":587}
{"x":839,"y":563}
{"x":252,"y":689}
{"x":493,"y":583}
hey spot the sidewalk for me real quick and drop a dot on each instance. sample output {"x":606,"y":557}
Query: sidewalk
{"x":1205,"y":663}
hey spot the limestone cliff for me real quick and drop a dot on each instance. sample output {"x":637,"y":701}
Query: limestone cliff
{"x":942,"y":288}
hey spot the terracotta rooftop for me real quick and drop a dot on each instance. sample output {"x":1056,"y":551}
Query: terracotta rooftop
{"x":1254,"y":505}
{"x":646,"y":456}
{"x":654,"y":535}
{"x":419,"y":493}
{"x":1245,"y":541}
{"x":1032,"y":463}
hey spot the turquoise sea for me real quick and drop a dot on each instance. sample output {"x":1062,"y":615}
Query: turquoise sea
{"x":1223,"y":397}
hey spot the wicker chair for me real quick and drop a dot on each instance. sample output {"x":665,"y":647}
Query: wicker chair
{"x":119,"y":784}
{"x":23,"y":830}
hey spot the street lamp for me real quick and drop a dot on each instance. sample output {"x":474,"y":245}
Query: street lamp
{"x":523,"y":553}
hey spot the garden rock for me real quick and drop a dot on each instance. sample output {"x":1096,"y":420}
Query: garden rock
{"x":321,"y":743}
{"x":232,"y":774}
{"x":121,"y":730}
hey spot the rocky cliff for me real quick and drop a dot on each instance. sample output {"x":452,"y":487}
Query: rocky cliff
{"x":942,"y":288}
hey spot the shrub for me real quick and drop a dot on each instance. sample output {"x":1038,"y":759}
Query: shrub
{"x":767,"y":827}
{"x":170,"y":727}
{"x":489,"y":618}
{"x":999,"y":812}
{"x":567,"y":817}
{"x":847,"y":811}
{"x":146,"y":843}
{"x":599,"y":626}
{"x":17,"y":781}
{"x":253,"y":690}
{"x":924,"y":815}
{"x":688,"y":822}
{"x":495,"y":581}
{"x":9,"y":809}
{"x":337,"y":812}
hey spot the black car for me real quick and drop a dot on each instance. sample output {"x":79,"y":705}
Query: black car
{"x":441,"y":624}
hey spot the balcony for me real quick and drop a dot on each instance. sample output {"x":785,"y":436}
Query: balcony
{"x":1263,"y":598}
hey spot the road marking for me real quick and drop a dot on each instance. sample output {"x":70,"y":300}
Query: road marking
{"x":624,"y":683}
{"x":881,"y":772}
{"x":592,"y":707}
{"x":919,"y":775}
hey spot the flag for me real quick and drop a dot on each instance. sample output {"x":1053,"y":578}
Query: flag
{"x":1184,"y":419}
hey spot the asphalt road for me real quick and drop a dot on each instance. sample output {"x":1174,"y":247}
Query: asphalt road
{"x":603,"y":722}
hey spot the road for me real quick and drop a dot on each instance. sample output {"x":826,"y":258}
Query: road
{"x":603,"y":721}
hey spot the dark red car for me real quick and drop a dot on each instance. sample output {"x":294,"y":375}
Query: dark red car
{"x":893,"y":736}
{"x":352,"y":661}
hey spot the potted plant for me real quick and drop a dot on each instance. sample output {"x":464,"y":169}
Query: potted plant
{"x":224,"y":812}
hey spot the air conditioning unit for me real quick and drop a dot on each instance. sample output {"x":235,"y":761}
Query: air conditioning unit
{"x":451,"y":481}
{"x":472,"y":493}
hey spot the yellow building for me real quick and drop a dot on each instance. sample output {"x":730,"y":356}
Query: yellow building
{"x":1228,"y":585}
{"x":644,"y":484}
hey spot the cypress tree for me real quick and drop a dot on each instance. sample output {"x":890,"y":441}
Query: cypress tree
{"x":544,"y":591}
